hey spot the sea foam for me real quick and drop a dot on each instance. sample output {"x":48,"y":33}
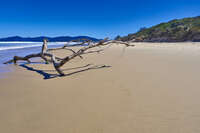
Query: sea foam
{"x":21,"y":45}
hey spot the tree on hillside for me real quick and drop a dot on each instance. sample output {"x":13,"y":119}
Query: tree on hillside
{"x":142,"y":28}
{"x":118,"y":38}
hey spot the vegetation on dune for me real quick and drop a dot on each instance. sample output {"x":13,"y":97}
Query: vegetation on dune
{"x":178,"y":30}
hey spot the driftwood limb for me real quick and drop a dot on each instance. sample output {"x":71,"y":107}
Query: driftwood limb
{"x":28,"y":57}
{"x":65,"y":48}
{"x":83,"y":51}
{"x":59,"y":62}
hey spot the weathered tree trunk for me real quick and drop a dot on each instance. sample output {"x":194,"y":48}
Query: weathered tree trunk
{"x":59,"y":62}
{"x":44,"y":46}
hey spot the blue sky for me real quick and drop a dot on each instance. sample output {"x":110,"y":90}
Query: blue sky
{"x":97,"y":18}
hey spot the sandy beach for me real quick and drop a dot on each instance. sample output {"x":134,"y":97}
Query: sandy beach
{"x":149,"y":88}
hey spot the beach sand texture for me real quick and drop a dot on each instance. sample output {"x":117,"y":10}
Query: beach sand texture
{"x":149,"y":88}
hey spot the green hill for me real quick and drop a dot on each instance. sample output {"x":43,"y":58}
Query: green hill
{"x":178,"y":30}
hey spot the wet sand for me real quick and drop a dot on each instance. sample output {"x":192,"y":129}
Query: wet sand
{"x":150,"y":88}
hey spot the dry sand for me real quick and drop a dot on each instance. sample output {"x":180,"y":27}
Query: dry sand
{"x":150,"y":88}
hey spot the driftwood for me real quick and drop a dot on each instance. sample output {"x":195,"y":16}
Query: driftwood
{"x":59,"y":62}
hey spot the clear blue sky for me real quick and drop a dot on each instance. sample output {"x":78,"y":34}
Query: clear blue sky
{"x":97,"y":18}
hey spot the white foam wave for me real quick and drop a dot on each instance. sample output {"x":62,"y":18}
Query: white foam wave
{"x":19,"y":47}
{"x":19,"y":42}
{"x":30,"y":45}
{"x":33,"y":42}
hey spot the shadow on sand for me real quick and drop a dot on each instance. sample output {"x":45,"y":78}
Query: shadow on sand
{"x":50,"y":76}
